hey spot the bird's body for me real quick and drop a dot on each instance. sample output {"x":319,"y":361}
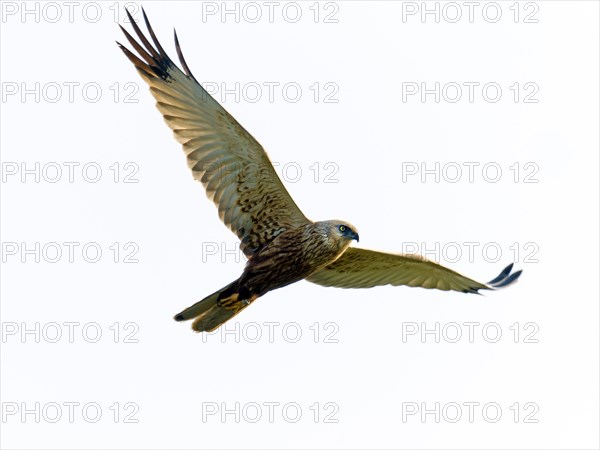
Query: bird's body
{"x":281,"y":244}
{"x":291,"y":256}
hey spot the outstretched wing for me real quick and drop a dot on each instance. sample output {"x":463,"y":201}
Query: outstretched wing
{"x":359,"y":268}
{"x":230,"y":163}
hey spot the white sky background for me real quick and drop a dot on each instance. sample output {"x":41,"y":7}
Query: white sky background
{"x":366,"y":371}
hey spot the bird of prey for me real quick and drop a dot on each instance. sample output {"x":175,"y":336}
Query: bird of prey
{"x":281,"y":244}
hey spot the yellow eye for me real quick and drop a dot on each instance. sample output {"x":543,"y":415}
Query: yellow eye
{"x":342,"y":228}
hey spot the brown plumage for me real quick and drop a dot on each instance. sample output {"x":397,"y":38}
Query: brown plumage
{"x":281,"y":244}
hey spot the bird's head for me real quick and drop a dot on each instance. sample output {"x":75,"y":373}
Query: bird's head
{"x":340,"y":231}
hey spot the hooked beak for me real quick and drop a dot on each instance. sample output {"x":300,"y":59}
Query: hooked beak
{"x":354,"y":236}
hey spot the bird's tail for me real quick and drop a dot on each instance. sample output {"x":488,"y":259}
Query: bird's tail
{"x":216,"y":309}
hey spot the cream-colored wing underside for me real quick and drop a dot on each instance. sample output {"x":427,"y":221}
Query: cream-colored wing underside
{"x":359,"y":268}
{"x":230,"y":163}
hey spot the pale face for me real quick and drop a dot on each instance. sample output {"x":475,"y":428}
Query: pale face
{"x":342,"y":230}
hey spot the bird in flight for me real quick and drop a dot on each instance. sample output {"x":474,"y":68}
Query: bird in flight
{"x":281,"y":244}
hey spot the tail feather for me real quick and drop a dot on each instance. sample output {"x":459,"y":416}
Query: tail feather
{"x":214,"y":310}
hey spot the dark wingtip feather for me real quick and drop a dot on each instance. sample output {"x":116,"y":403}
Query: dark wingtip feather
{"x":179,"y":317}
{"x":472,"y":290}
{"x":137,"y":62}
{"x":150,"y":60}
{"x":129,"y":16}
{"x":187,"y":70}
{"x":502,"y":275}
{"x":155,"y":63}
{"x":149,"y":48}
{"x":511,"y":279}
{"x":152,"y":35}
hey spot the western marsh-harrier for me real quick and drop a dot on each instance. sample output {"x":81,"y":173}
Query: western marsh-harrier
{"x":281,"y":244}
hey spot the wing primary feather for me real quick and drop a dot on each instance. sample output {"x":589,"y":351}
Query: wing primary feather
{"x":159,"y":64}
{"x":505,"y":272}
{"x":153,"y":36}
{"x":188,"y":72}
{"x":473,"y":290}
{"x":509,"y":280}
{"x":138,"y":48}
{"x":137,"y":62}
{"x":140,"y":35}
